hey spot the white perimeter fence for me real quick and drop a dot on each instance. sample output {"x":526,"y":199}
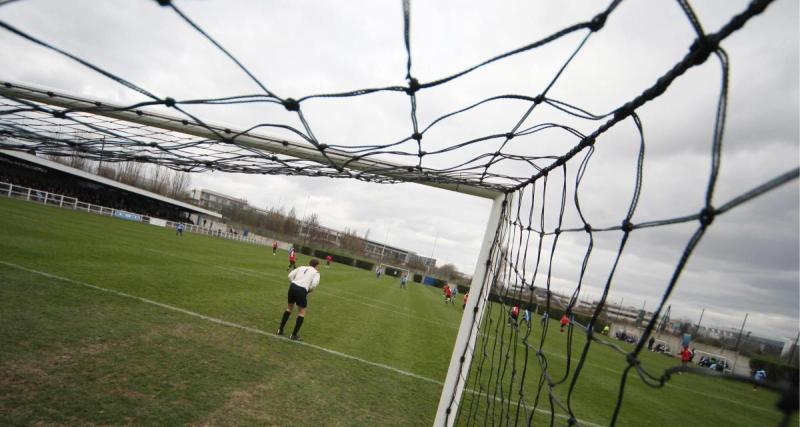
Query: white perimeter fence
{"x":66,"y":202}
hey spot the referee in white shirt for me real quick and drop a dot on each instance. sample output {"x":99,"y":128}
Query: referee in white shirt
{"x":303,"y":280}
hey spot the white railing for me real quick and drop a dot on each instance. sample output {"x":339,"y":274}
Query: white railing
{"x":66,"y":202}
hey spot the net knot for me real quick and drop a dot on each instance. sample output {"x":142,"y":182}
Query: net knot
{"x":416,"y":136}
{"x":572,"y":421}
{"x":413,"y":86}
{"x":707,"y":216}
{"x":169,"y":102}
{"x":322,"y":147}
{"x":291,"y":104}
{"x":164,"y":2}
{"x":557,"y":231}
{"x":597,"y":22}
{"x":632,"y":359}
{"x":538,"y":100}
{"x":587,"y":227}
{"x":701,"y":49}
{"x":510,"y":135}
{"x":627,"y":226}
{"x":59,"y":114}
{"x":7,"y":84}
{"x":421,"y":153}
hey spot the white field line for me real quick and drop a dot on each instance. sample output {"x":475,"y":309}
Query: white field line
{"x":223,"y":322}
{"x":561,"y":356}
{"x":260,"y":332}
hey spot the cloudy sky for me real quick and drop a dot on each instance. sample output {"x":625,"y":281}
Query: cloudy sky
{"x":746,"y":263}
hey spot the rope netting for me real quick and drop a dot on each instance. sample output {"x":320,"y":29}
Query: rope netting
{"x":513,"y":378}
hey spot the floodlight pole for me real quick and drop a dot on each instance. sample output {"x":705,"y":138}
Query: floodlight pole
{"x":738,"y":341}
{"x":480,"y":287}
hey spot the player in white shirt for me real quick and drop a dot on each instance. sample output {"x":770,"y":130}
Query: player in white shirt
{"x":303,"y":280}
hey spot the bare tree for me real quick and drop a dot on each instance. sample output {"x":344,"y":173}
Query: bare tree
{"x":179,"y":185}
{"x":129,"y":173}
{"x":159,"y":180}
{"x":448,"y":271}
{"x":312,"y":229}
{"x":107,"y":171}
{"x":291,"y":225}
{"x":78,"y":162}
{"x":352,"y":242}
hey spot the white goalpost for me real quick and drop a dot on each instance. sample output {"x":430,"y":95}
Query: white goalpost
{"x":399,"y":270}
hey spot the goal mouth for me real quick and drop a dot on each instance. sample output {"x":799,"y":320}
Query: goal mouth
{"x":394,"y":271}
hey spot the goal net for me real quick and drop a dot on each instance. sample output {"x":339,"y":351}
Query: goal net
{"x":391,"y":270}
{"x":511,"y":364}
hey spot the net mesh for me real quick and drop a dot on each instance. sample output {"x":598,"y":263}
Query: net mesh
{"x":514,"y":377}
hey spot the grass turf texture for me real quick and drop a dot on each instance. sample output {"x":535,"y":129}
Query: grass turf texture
{"x":71,"y":354}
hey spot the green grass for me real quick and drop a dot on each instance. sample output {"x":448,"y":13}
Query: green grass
{"x":72,"y":354}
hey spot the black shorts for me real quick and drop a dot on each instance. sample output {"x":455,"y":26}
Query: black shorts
{"x":297,"y":295}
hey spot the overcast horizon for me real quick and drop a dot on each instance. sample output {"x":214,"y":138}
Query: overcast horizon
{"x":749,"y":261}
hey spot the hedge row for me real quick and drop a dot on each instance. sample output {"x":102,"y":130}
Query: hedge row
{"x":337,"y":258}
{"x":776,"y":370}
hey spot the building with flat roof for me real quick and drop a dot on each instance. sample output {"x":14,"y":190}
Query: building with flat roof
{"x":216,"y":201}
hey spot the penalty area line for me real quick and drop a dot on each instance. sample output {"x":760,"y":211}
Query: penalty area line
{"x":260,"y":332}
{"x":224,"y":322}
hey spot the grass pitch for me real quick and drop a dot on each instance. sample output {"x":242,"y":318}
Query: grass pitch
{"x":104,"y":321}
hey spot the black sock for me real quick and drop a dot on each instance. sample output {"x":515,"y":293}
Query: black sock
{"x":285,"y":319}
{"x":297,"y":324}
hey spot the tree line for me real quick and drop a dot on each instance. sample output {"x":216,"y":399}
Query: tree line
{"x":151,"y":177}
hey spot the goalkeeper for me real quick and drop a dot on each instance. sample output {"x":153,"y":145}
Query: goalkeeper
{"x":303,"y":280}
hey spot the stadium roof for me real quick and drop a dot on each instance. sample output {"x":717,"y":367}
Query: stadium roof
{"x":105,"y":181}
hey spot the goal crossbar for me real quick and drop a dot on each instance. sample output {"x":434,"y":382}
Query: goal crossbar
{"x":269,"y":144}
